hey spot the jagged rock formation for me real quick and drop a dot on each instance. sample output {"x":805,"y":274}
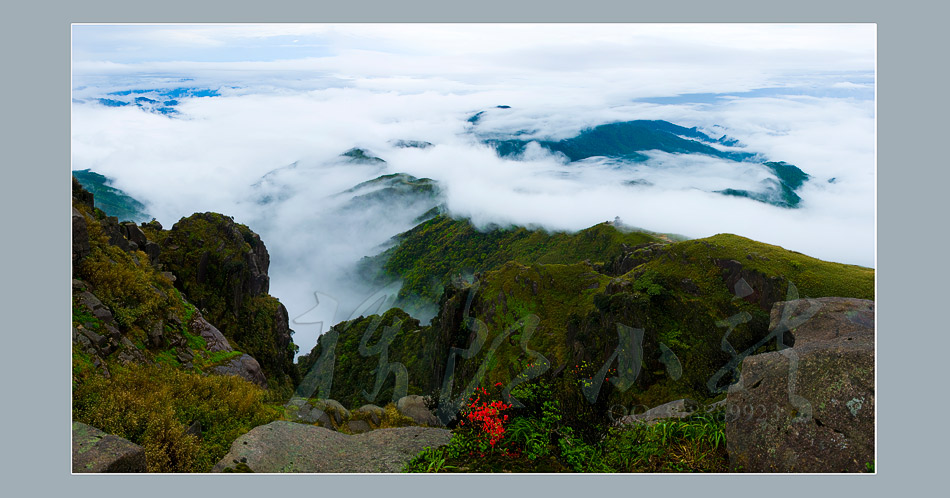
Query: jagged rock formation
{"x":221,"y":266}
{"x":808,"y":408}
{"x":290,"y":447}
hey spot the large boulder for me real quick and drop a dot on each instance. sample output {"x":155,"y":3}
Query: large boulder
{"x":414,"y":407}
{"x":96,"y":451}
{"x":214,"y":339}
{"x":825,"y":318}
{"x":283,"y":446}
{"x":809,"y":408}
{"x":244,"y":366}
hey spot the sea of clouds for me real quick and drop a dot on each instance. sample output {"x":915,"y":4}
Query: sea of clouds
{"x":292,"y":98}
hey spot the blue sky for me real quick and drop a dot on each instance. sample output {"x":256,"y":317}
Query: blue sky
{"x":731,"y":58}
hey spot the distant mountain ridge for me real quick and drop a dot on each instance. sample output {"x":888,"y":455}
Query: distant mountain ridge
{"x":112,"y":201}
{"x":632,"y":141}
{"x":628,"y":139}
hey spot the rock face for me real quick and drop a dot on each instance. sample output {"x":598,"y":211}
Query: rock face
{"x":291,"y":447}
{"x":221,"y":266}
{"x":229,"y":256}
{"x":414,"y":407}
{"x":96,"y":451}
{"x":809,"y":408}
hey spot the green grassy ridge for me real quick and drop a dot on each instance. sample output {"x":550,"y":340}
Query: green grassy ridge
{"x":429,"y":255}
{"x":392,"y":190}
{"x":812,"y":277}
{"x":680,"y":296}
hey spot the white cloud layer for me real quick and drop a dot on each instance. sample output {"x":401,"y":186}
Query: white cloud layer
{"x":305,"y":93}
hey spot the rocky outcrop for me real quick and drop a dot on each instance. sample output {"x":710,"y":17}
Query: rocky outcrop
{"x":358,"y":426}
{"x":221,"y":266}
{"x":223,"y":252}
{"x":309,"y":414}
{"x":414,"y":407}
{"x":809,"y":408}
{"x":99,"y":335}
{"x":137,"y":241}
{"x":290,"y":447}
{"x":127,"y":235}
{"x":96,"y":451}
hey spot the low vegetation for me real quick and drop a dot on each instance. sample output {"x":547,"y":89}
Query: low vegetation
{"x":546,"y":435}
{"x":185,"y":421}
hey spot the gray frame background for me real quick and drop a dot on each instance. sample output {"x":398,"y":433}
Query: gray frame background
{"x":912,"y":111}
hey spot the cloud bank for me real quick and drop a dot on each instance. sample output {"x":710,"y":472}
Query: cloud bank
{"x":292,"y":98}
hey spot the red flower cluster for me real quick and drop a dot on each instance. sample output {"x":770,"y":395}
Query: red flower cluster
{"x":488,"y":416}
